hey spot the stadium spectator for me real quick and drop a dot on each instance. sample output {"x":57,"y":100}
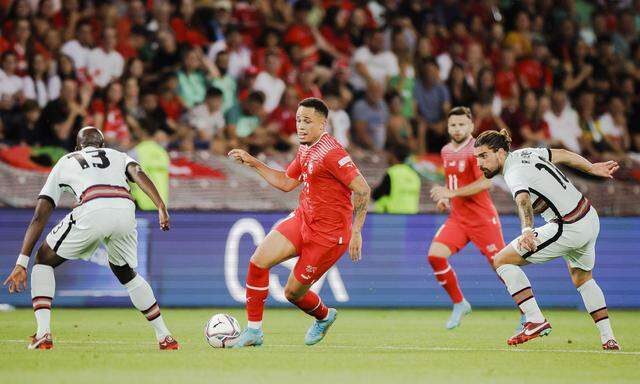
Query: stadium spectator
{"x":563,"y":122}
{"x":370,"y":118}
{"x":105,"y":64}
{"x":461,"y":92}
{"x":506,"y":77}
{"x":269,"y":82}
{"x":433,"y":101}
{"x":246,"y":123}
{"x":270,"y":42}
{"x":10,"y":82}
{"x":339,"y":124}
{"x":371,"y":62}
{"x":79,"y":49}
{"x":239,"y":54}
{"x":38,"y":84}
{"x":192,"y":82}
{"x":64,"y":116}
{"x":208,"y":118}
{"x":22,"y":128}
{"x":109,"y":117}
{"x":529,"y":128}
{"x":167,"y":57}
{"x":400,"y":131}
{"x":282,"y":121}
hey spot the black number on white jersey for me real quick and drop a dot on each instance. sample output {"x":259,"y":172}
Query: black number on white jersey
{"x":99,"y":154}
{"x":553,"y":171}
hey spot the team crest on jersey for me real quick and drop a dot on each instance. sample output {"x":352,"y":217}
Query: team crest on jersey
{"x":311,"y":269}
{"x":310,"y":167}
{"x":461,"y":165}
{"x":525,"y":156}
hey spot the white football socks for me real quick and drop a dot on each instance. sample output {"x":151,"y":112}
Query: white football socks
{"x":43,"y":287}
{"x":143,"y":299}
{"x":254,"y":324}
{"x":593,"y":299}
{"x":519,"y":287}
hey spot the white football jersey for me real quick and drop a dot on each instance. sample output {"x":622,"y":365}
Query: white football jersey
{"x":80,"y":170}
{"x":531,"y":170}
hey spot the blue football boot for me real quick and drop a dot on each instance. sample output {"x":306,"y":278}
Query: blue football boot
{"x":320,"y":328}
{"x":459,"y":310}
{"x":249,"y":338}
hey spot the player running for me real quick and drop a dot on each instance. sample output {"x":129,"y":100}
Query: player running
{"x":570,"y":232}
{"x":97,"y":176}
{"x":473,"y":216}
{"x":318,"y":230}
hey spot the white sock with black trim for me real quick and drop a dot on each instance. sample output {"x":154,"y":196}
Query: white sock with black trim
{"x":595,"y":304}
{"x":143,"y":299}
{"x":519,"y":287}
{"x":43,"y":288}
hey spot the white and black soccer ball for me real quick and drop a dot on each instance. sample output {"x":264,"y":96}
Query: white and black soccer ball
{"x":221,"y":331}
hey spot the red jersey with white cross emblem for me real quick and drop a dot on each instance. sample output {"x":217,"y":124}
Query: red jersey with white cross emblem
{"x":460,"y":169}
{"x":325,"y":170}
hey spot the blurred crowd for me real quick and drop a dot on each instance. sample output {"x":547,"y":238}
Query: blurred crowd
{"x":212,"y":75}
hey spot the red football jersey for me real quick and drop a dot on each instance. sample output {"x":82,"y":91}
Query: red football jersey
{"x":460,"y":169}
{"x":326,"y":170}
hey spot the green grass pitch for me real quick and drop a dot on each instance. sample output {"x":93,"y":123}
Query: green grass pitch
{"x":364,"y":346}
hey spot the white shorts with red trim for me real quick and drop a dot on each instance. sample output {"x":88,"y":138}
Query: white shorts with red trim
{"x":108,"y":221}
{"x":574,"y":242}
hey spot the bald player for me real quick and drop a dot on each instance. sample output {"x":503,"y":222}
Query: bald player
{"x":105,"y":213}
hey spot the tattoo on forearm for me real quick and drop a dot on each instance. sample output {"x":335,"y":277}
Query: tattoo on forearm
{"x":525,"y":210}
{"x":361,"y":201}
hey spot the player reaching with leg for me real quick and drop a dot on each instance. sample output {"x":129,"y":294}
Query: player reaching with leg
{"x":97,"y":176}
{"x":473,"y":216}
{"x":571,"y":228}
{"x":320,"y":230}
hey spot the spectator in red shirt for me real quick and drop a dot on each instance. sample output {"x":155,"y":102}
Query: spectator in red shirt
{"x":24,"y":45}
{"x":533,"y":72}
{"x":506,"y":78}
{"x":186,"y":26}
{"x":270,"y":42}
{"x":306,"y":87}
{"x":334,"y":30}
{"x":169,"y":100}
{"x":282,"y":121}
{"x":109,"y":117}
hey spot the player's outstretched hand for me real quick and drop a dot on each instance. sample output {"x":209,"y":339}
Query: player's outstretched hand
{"x":439,"y":193}
{"x":606,"y":169}
{"x":163,"y":218}
{"x":17,"y":279}
{"x":242,"y":157}
{"x":443,"y":205}
{"x":355,"y":247}
{"x":528,"y":241}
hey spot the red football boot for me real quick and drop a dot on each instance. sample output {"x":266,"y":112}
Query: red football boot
{"x":45,"y":342}
{"x":530,"y":331}
{"x":169,"y":343}
{"x":611,"y":345}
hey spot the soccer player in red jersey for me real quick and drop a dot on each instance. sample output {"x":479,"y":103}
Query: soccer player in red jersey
{"x":473,"y":216}
{"x":319,"y":230}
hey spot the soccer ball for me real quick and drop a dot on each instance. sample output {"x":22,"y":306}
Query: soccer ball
{"x":221,"y":331}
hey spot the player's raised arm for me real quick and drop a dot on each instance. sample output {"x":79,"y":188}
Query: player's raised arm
{"x":18,"y":277}
{"x":140,"y":177}
{"x":573,"y":160}
{"x":276,"y":178}
{"x":361,"y":196}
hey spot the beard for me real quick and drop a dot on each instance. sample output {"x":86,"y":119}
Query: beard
{"x":462,"y":140}
{"x":490,"y":174}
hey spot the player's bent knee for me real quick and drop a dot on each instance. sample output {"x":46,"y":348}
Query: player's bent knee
{"x":292,"y":294}
{"x":124,"y":273}
{"x":46,"y":256}
{"x":580,"y":276}
{"x":439,"y":250}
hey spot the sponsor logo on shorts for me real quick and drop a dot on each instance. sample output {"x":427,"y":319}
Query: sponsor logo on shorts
{"x":492,"y":248}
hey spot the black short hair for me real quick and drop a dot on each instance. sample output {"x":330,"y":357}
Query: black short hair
{"x":213,"y":92}
{"x":494,"y":140}
{"x":315,"y":103}
{"x":401,"y":152}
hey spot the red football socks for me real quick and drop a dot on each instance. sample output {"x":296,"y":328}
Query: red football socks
{"x":313,"y":305}
{"x":446,"y":277}
{"x":257,"y":291}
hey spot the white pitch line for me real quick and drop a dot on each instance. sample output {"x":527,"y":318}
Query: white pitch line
{"x":383,"y":348}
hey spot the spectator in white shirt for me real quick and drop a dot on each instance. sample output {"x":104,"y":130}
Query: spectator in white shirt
{"x":239,"y":54}
{"x":373,"y":63}
{"x":269,"y":83}
{"x":105,"y":63}
{"x":564,"y":125}
{"x":613,"y":123}
{"x":38,"y":85}
{"x":207,"y":118}
{"x":339,"y":124}
{"x":10,"y":83}
{"x":80,"y":49}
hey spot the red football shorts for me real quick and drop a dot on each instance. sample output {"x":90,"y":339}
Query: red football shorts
{"x":486,"y":235}
{"x":314,"y":259}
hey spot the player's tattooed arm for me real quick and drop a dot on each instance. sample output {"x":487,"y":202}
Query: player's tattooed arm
{"x":525,"y":210}
{"x":361,"y":196}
